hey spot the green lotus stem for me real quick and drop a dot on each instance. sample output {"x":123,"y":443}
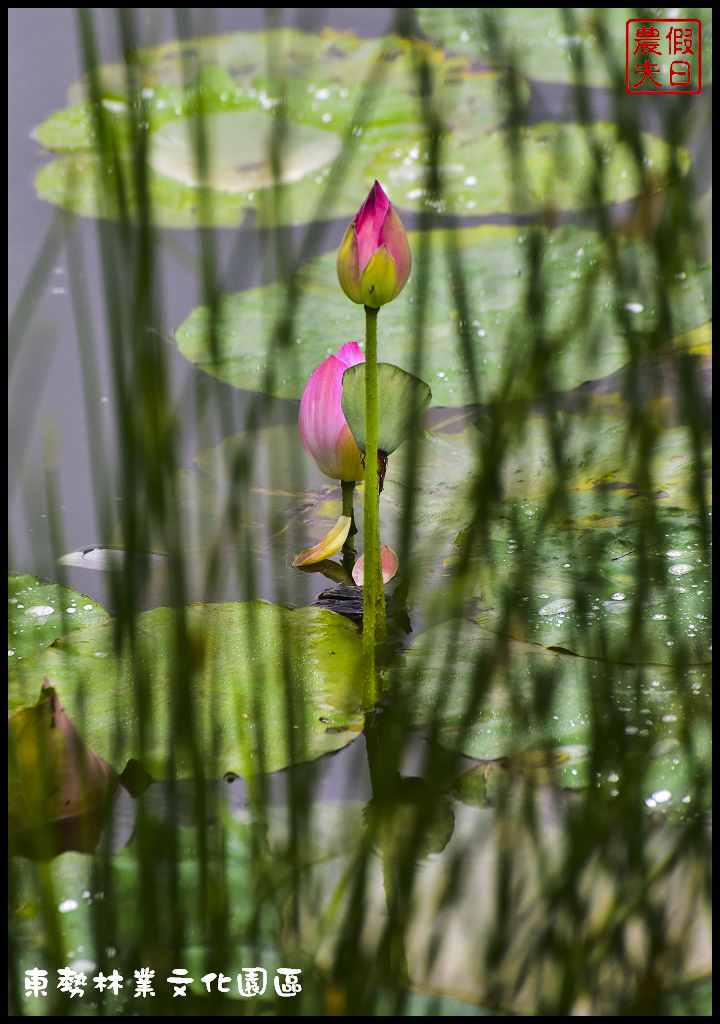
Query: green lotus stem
{"x":374,"y":625}
{"x":349,"y":554}
{"x":348,"y":505}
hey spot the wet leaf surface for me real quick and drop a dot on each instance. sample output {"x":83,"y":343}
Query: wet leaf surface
{"x":327,"y":91}
{"x":39,"y":612}
{"x":491,"y":697}
{"x":246,"y":669}
{"x":586,"y":332}
{"x":546,"y":46}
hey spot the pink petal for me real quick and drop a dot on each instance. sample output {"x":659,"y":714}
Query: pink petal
{"x":369,"y":223}
{"x":388,"y":560}
{"x":328,"y":546}
{"x":350,"y":355}
{"x":324,"y":432}
{"x":394,"y":236}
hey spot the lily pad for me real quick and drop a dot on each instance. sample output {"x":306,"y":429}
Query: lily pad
{"x":629,"y":584}
{"x":558,"y":167}
{"x":258,"y":687}
{"x":275,"y":106}
{"x":281,"y":503}
{"x":590,"y":456}
{"x":239,"y":145}
{"x":590,"y":328}
{"x":500,"y":698}
{"x":40,"y":612}
{"x":575,"y":536}
{"x":402,"y":399}
{"x":541,"y":43}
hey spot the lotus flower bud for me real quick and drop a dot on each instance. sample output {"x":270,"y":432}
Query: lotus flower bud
{"x":373,"y":262}
{"x":322,"y":424}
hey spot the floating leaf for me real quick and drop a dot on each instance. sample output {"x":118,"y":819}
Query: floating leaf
{"x":77,"y":885}
{"x":402,"y":399}
{"x":560,"y":170}
{"x":588,"y":332}
{"x":322,"y":92}
{"x":40,"y":612}
{"x":494,"y":697}
{"x":633,"y":586}
{"x":545,"y":45}
{"x":53,"y":774}
{"x":239,"y":148}
{"x":285,"y":503}
{"x":287,"y":125}
{"x":264,"y":687}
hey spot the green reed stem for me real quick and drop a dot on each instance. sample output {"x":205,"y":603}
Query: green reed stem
{"x":374,"y":627}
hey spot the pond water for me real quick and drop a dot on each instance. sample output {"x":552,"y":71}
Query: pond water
{"x":545,"y":722}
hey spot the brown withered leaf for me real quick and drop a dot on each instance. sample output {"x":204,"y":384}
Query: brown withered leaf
{"x":53,"y":773}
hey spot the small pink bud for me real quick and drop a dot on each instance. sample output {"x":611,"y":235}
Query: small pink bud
{"x":322,"y":425}
{"x":373,"y":262}
{"x":388,"y":560}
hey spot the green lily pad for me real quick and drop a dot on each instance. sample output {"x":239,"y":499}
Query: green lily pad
{"x":588,"y":330}
{"x":323,"y":93}
{"x":269,"y":687}
{"x":335,"y":113}
{"x":500,"y":698}
{"x":283,"y":504}
{"x":597,"y":466}
{"x":40,"y":612}
{"x":402,"y":399}
{"x":240,"y":156}
{"x":604,"y":577}
{"x":559,"y":170}
{"x":615,"y":568}
{"x":541,"y":44}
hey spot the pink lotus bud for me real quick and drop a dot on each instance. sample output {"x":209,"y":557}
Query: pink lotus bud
{"x":323,"y":428}
{"x":388,"y":563}
{"x":373,"y":261}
